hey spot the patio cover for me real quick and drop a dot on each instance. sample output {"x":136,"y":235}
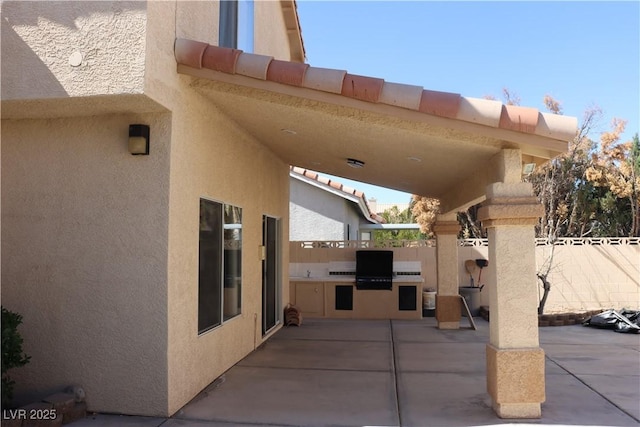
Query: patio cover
{"x":460,"y":150}
{"x":430,"y":143}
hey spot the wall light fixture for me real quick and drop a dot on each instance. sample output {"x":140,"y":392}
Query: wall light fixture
{"x":139,"y":140}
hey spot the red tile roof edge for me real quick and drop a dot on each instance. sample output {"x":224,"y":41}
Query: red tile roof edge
{"x":485,"y":112}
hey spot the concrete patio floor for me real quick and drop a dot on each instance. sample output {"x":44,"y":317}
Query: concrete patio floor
{"x":407,"y":373}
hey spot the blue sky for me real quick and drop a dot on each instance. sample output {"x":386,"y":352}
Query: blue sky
{"x":581,"y":53}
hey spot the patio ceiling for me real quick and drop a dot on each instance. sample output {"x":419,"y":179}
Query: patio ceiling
{"x":422,"y":142}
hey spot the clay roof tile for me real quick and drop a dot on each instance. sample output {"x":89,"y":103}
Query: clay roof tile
{"x":521,"y":119}
{"x":370,"y":89}
{"x":220,"y":59}
{"x":288,"y":73}
{"x":362,"y":87}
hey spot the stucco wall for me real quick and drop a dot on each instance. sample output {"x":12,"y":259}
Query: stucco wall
{"x":198,"y":20}
{"x":195,"y":20}
{"x":84,"y":244}
{"x":211,"y":157}
{"x":270,"y":36}
{"x":44,"y":40}
{"x":119,"y":257}
{"x":316,"y":214}
{"x":82,"y":48}
{"x":214,"y":158}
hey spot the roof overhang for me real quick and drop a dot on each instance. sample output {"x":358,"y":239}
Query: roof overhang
{"x":433,"y":150}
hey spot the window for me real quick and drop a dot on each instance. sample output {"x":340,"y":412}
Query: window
{"x":236,"y":24}
{"x":220,"y":264}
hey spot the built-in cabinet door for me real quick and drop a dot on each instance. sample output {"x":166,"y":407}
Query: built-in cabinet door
{"x":309,"y":298}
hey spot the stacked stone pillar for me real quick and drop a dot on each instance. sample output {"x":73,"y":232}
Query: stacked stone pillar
{"x":515,"y":362}
{"x":448,"y":308}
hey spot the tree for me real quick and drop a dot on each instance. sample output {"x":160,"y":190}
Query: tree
{"x":568,"y":198}
{"x":615,"y":168}
{"x":395,"y":216}
{"x":635,"y":162}
{"x":593,"y":189}
{"x":425,"y":211}
{"x":542,"y":275}
{"x":470,"y":227}
{"x":509,"y":97}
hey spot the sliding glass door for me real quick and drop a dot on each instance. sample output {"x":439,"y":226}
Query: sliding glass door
{"x":271,"y":276}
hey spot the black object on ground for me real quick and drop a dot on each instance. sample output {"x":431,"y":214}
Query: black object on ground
{"x":627,"y":321}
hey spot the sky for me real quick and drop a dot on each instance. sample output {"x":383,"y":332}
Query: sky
{"x":583,"y":54}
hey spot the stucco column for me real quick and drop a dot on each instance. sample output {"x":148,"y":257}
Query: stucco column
{"x":515,"y":362}
{"x":446,"y":230}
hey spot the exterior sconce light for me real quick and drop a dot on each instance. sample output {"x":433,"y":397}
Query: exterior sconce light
{"x":139,"y":140}
{"x":528,"y":168}
{"x":354,"y":163}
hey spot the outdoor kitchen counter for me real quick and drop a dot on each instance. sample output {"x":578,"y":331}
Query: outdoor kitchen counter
{"x":352,"y":279}
{"x":338,"y":297}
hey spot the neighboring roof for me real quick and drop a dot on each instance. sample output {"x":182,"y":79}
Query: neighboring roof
{"x":491,"y":113}
{"x":335,"y":187}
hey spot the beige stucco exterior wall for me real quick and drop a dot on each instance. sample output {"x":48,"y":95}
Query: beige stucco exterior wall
{"x":198,"y":20}
{"x":84,"y":244}
{"x":43,"y":39}
{"x":85,"y":48}
{"x":213,"y":158}
{"x":119,"y":260}
{"x":269,"y":35}
{"x":195,"y":20}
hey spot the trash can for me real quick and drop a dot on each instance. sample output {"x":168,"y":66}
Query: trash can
{"x":428,"y":303}
{"x":471,"y":295}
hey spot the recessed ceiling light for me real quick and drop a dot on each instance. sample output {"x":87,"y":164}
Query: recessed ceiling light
{"x":355,"y":163}
{"x":414,"y":159}
{"x":289,"y":131}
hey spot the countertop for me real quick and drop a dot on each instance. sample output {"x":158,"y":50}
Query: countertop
{"x":352,"y":279}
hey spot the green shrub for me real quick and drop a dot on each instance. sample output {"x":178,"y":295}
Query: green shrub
{"x":12,"y":354}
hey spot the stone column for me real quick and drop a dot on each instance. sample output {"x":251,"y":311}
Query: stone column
{"x":515,"y":362}
{"x":446,"y":230}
